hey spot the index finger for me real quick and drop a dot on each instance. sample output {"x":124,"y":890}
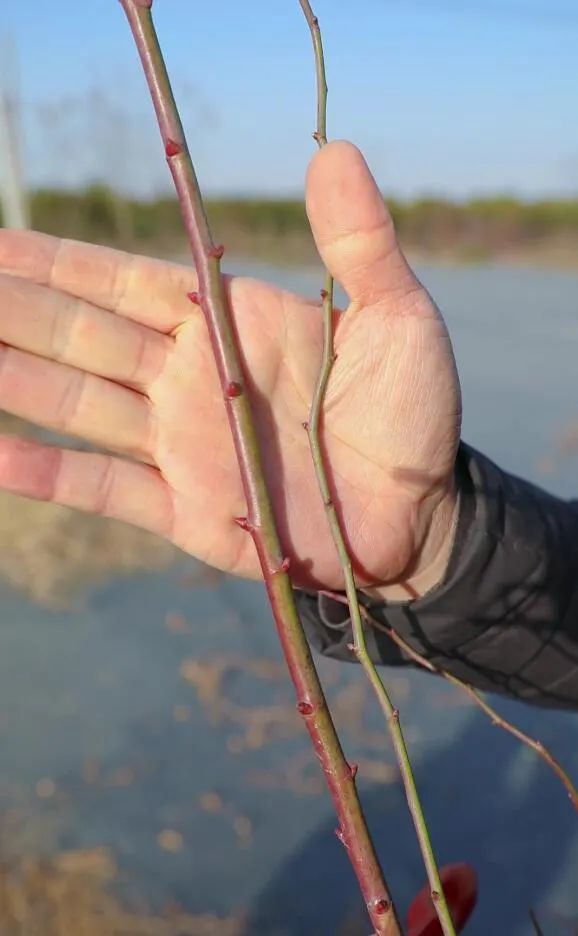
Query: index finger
{"x":152,"y":292}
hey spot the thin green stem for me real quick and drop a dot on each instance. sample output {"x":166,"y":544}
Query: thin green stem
{"x":320,"y":133}
{"x":359,"y":643}
{"x":496,"y":719}
{"x":538,"y":931}
{"x":260,"y":521}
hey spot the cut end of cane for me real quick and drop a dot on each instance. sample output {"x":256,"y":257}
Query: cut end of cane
{"x":305,"y":708}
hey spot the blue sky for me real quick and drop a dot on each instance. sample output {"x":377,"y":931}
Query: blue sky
{"x":453,"y":97}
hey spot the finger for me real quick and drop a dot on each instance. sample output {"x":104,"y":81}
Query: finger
{"x":73,"y":402}
{"x":88,"y":481}
{"x":352,"y":227}
{"x":149,"y":291}
{"x":66,"y":329}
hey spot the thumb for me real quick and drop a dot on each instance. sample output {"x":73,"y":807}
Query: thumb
{"x":353,"y":229}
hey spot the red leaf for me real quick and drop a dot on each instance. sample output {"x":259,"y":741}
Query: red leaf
{"x":461,"y":889}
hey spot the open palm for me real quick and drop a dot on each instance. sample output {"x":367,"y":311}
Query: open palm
{"x":106,"y":346}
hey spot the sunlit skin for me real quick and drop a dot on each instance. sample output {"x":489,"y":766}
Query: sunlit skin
{"x":106,"y":346}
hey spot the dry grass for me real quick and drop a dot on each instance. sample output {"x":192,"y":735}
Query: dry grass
{"x":71,"y":896}
{"x":52,"y":553}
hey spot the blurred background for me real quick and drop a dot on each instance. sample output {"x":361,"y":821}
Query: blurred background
{"x":153,"y":778}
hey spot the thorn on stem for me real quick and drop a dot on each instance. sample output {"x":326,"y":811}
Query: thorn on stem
{"x":284,"y":567}
{"x":233,"y":389}
{"x":324,"y":294}
{"x":395,"y":715}
{"x":216,"y":251}
{"x":351,"y":647}
{"x":305,"y":426}
{"x":194,"y":298}
{"x":341,"y":836}
{"x":353,"y":768}
{"x":305,"y":708}
{"x":381,"y":906}
{"x":172,"y":148}
{"x":435,"y":896}
{"x":328,"y":503}
{"x":243,"y":522}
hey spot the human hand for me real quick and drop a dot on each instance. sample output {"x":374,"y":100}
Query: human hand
{"x":106,"y":346}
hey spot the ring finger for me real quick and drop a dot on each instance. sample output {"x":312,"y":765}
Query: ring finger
{"x":74,"y":402}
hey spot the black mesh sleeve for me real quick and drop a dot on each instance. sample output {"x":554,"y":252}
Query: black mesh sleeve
{"x":505,"y":618}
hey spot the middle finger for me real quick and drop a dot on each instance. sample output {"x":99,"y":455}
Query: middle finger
{"x":73,"y":402}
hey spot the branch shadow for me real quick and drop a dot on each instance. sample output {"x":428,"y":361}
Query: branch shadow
{"x":502,"y":813}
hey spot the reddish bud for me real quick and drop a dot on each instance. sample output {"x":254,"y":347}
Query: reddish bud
{"x":217,"y":252}
{"x":172,"y":148}
{"x":194,"y":298}
{"x":381,"y":906}
{"x":353,"y":768}
{"x":461,"y":890}
{"x":305,"y":708}
{"x":243,"y":523}
{"x":233,"y":389}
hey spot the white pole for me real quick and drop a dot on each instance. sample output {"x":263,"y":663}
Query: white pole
{"x":12,"y":194}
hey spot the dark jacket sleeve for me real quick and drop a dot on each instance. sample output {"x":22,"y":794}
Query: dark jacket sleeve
{"x":505,"y":618}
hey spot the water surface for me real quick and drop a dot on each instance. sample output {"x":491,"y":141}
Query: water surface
{"x":145,"y":709}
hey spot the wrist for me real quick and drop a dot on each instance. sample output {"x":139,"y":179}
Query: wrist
{"x":436,"y":550}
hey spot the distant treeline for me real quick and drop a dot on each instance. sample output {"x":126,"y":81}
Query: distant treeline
{"x":471,"y":230}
